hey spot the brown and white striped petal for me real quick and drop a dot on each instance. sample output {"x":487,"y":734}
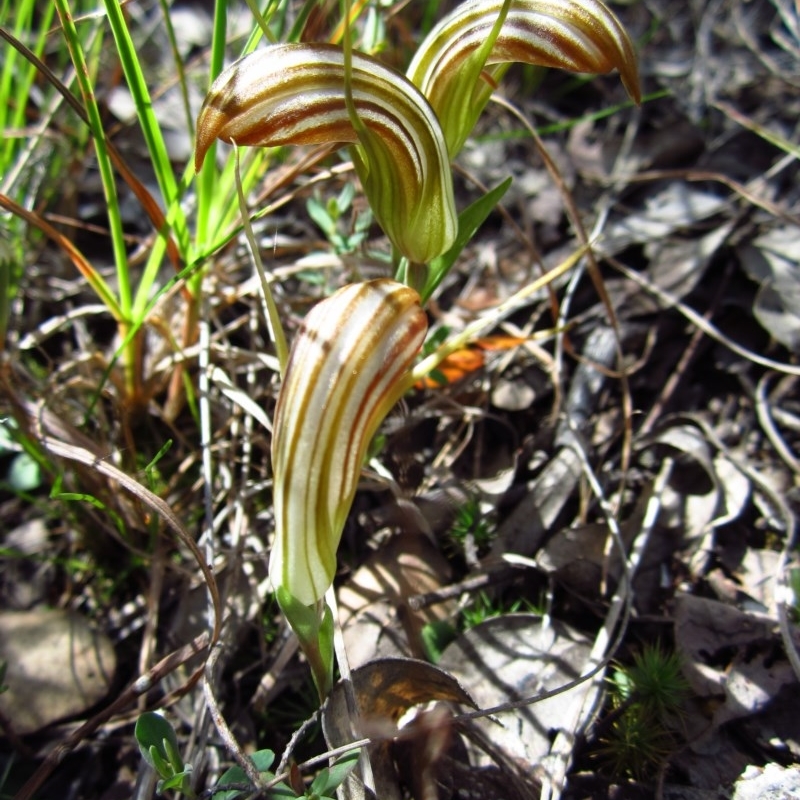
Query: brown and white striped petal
{"x":295,"y":94}
{"x":576,"y":35}
{"x":349,"y":365}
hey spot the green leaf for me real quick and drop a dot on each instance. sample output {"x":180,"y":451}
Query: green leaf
{"x":435,"y":637}
{"x":25,"y":474}
{"x":345,"y":198}
{"x":321,"y":215}
{"x":469,"y":220}
{"x":158,"y":763}
{"x":330,"y":778}
{"x":158,"y":744}
{"x":263,"y":760}
{"x":179,"y":782}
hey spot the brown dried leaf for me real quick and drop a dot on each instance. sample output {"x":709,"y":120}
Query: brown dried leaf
{"x":385,"y":689}
{"x":512,"y":657}
{"x":707,"y":635}
{"x":673,"y":208}
{"x":754,"y":679}
{"x":757,"y":575}
{"x":772,"y":261}
{"x":373,"y":608}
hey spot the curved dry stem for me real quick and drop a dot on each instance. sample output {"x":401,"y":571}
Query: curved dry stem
{"x":595,"y":276}
{"x":90,"y":458}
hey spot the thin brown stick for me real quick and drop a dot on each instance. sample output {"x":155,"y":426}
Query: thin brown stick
{"x":594,"y":273}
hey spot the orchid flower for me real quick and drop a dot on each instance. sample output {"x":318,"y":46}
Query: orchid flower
{"x":352,"y":358}
{"x":461,"y":60}
{"x":345,"y":372}
{"x":348,"y":366}
{"x":309,"y":94}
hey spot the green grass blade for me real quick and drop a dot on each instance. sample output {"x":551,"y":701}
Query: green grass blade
{"x":208,"y":177}
{"x":273,"y":315}
{"x":83,"y":73}
{"x":17,"y":78}
{"x":151,"y":130}
{"x":157,"y":252}
{"x":260,"y":20}
{"x":131,"y":362}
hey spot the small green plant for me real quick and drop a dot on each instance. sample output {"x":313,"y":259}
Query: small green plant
{"x":328,"y":780}
{"x":655,"y":679}
{"x":234,"y":782}
{"x":484,"y":607}
{"x":437,"y":635}
{"x":158,"y":744}
{"x":642,"y":729}
{"x":471,"y":528}
{"x":345,"y":233}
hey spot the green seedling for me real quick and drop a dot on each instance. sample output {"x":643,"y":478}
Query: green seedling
{"x":158,"y":744}
{"x":234,"y":782}
{"x":159,"y":747}
{"x":655,"y":680}
{"x":484,"y":607}
{"x":334,"y":221}
{"x":471,"y":528}
{"x":328,"y":780}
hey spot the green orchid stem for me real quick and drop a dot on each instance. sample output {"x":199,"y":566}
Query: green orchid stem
{"x":313,"y":626}
{"x":416,"y":276}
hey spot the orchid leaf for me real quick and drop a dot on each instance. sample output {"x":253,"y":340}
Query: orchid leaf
{"x":469,"y":220}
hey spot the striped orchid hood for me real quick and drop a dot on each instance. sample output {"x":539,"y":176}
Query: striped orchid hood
{"x":348,"y":366}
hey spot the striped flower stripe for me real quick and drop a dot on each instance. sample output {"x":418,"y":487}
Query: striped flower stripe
{"x":349,"y":365}
{"x":295,"y":94}
{"x":577,"y":35}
